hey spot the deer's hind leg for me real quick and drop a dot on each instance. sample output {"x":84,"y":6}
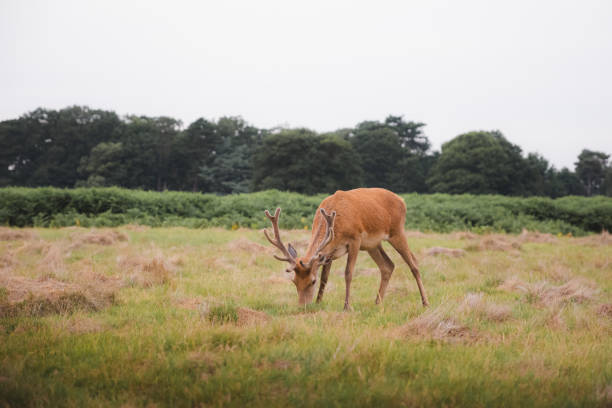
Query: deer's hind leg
{"x":386,"y":266}
{"x":398,"y":241}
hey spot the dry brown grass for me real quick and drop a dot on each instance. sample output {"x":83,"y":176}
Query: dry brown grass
{"x":463,"y":235}
{"x":30,"y":248}
{"x":147,"y":271}
{"x":52,"y":262}
{"x":605,"y":238}
{"x":537,"y":237}
{"x":475,"y":303}
{"x":414,"y":234}
{"x":605,"y":395}
{"x":20,"y":288}
{"x":206,"y":361}
{"x":6,"y":260}
{"x":48,"y":286}
{"x":186,"y":302}
{"x":80,"y":325}
{"x":557,"y":272}
{"x":498,"y":242}
{"x":577,"y":290}
{"x":278,"y":279}
{"x":452,"y":252}
{"x":244,"y":244}
{"x":553,"y":319}
{"x":300,"y":245}
{"x":250,"y":317}
{"x":100,"y":237}
{"x":137,"y":227}
{"x":436,"y":325}
{"x":31,"y":297}
{"x":13,"y":234}
{"x":495,"y":243}
{"x":225,"y":264}
{"x":605,"y":310}
{"x":367,"y":272}
{"x":205,"y":358}
{"x":50,"y":258}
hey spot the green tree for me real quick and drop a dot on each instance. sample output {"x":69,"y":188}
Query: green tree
{"x":302,"y":161}
{"x":536,"y":174}
{"x":591,"y":169}
{"x":410,"y":134}
{"x":105,"y":166}
{"x":17,"y":153}
{"x":479,"y":163}
{"x":194,"y":148}
{"x":566,"y":183}
{"x":380,"y":151}
{"x":394,"y":154}
{"x":227,"y":165}
{"x":411,"y":172}
{"x":45,"y":147}
{"x":230,"y":172}
{"x":606,"y":187}
{"x":339,"y":164}
{"x":148,"y":144}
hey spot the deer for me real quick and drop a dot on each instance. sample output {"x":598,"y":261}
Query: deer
{"x":345,"y":223}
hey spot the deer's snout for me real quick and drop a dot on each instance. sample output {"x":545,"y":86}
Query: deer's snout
{"x":306,"y":293}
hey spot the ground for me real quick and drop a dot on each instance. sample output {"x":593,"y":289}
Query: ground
{"x":135,"y":316}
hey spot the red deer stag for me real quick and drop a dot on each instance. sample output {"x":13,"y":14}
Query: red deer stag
{"x":345,"y":223}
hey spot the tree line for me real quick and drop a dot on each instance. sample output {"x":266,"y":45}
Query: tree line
{"x":79,"y":147}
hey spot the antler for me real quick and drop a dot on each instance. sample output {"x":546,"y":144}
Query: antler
{"x":289,"y":252}
{"x":329,"y":231}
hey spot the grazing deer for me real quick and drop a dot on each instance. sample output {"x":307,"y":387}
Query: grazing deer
{"x":345,"y":223}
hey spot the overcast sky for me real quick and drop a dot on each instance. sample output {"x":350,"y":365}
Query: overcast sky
{"x":539,"y":71}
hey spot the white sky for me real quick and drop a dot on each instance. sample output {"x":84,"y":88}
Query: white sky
{"x":539,"y":71}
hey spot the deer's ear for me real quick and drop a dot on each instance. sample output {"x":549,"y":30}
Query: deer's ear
{"x":292,"y":250}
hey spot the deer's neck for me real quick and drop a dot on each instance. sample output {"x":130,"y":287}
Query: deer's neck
{"x":317,"y":236}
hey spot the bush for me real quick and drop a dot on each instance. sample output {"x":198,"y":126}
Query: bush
{"x":53,"y":207}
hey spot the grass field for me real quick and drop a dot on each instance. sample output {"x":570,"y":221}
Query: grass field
{"x":134,"y":316}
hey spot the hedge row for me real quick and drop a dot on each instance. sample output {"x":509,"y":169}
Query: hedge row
{"x":52,"y":207}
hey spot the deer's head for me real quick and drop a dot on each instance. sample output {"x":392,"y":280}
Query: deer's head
{"x":303,"y":268}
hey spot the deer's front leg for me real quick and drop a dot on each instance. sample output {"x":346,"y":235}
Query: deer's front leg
{"x":353,"y":251}
{"x":324,"y":276}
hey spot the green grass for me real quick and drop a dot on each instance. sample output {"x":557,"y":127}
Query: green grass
{"x":181,"y":342}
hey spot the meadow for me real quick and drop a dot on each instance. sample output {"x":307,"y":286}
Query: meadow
{"x":139,"y":316}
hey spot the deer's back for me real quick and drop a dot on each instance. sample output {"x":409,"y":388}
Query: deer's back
{"x":370,"y":212}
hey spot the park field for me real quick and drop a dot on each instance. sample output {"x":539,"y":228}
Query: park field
{"x":137,"y":316}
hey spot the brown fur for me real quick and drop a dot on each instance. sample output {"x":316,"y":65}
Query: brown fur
{"x":364,"y":218}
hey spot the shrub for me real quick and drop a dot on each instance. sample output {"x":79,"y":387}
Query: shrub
{"x":108,"y":207}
